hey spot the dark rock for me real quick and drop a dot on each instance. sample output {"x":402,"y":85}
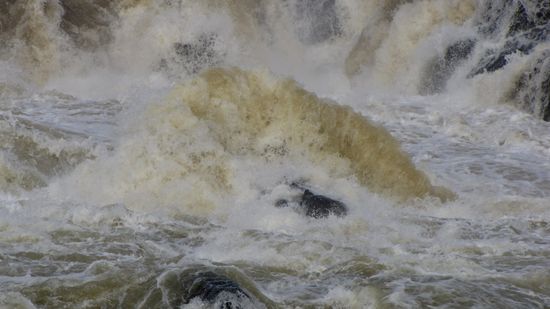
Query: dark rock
{"x":527,"y":25}
{"x":214,"y":289}
{"x":510,"y":17}
{"x":521,"y":21}
{"x":521,"y":26}
{"x":496,"y":59}
{"x":491,"y":15}
{"x":441,"y":69}
{"x":529,"y":14}
{"x":533,"y":88}
{"x":311,"y":204}
{"x":319,"y":206}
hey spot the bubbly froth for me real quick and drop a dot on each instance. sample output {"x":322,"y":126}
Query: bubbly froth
{"x":193,"y":138}
{"x":274,"y":153}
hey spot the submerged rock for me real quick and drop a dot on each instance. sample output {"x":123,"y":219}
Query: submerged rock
{"x":200,"y":286}
{"x":215,"y":289}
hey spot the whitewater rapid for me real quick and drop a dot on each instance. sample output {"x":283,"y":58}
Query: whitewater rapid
{"x":144,"y":143}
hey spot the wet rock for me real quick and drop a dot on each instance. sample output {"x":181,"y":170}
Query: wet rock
{"x":489,"y":17}
{"x":312,"y":205}
{"x":521,"y":20}
{"x":319,"y":206}
{"x":215,"y":289}
{"x":524,"y":25}
{"x":533,"y":88}
{"x":509,"y":17}
{"x":441,"y":69}
{"x":498,"y":58}
{"x":529,"y":14}
{"x":527,"y":26}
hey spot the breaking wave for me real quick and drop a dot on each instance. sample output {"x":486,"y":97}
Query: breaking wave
{"x":182,"y":149}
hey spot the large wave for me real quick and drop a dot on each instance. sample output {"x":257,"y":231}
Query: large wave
{"x":182,"y":150}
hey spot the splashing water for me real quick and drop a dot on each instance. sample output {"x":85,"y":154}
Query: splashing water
{"x":146,"y":144}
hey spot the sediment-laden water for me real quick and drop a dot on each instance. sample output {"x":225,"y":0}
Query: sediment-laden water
{"x":165,"y":154}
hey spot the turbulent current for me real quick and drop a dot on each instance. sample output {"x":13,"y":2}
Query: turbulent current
{"x":275,"y":154}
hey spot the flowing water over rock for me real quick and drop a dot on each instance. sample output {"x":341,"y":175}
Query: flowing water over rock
{"x":274,"y":154}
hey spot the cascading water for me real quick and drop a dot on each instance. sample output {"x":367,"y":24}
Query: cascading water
{"x":159,"y":154}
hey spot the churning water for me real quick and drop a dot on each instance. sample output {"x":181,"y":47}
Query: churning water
{"x":147,"y":147}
